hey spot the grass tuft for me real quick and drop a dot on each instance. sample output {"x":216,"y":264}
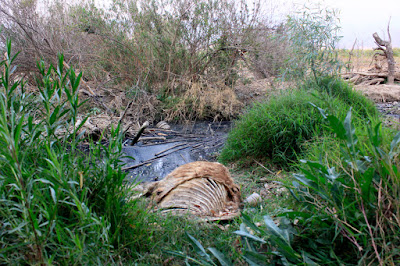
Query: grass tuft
{"x":278,"y":128}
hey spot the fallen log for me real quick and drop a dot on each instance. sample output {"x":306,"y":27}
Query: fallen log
{"x":366,"y":78}
{"x":372,"y":74}
{"x":374,"y":81}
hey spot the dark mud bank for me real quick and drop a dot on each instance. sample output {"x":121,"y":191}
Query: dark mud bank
{"x":389,"y":109}
{"x":161,"y":151}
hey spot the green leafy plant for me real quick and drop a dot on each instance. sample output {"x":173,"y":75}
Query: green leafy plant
{"x":269,"y":245}
{"x":357,"y":201}
{"x":313,"y":36}
{"x":349,"y":209}
{"x":272,"y":244}
{"x":203,"y":257}
{"x":57,"y":204}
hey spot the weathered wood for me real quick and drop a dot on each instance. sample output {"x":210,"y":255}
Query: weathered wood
{"x":388,"y":51}
{"x":372,"y":74}
{"x":170,"y":148}
{"x":374,"y":81}
{"x":153,"y":159}
{"x":368,"y":78}
{"x":142,"y":128}
{"x":152,"y":138}
{"x":124,"y":113}
{"x":355,"y":79}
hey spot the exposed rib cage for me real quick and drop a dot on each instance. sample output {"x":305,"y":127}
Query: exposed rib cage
{"x":201,"y":188}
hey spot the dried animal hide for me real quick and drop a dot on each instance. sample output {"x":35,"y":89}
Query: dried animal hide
{"x":205,"y":189}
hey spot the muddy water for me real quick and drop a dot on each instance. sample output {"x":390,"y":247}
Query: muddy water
{"x":389,"y":108}
{"x":153,"y":161}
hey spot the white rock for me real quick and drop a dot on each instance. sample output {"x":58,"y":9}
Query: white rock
{"x":253,"y":199}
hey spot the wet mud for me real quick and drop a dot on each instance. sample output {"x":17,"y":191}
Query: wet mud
{"x":159,"y":152}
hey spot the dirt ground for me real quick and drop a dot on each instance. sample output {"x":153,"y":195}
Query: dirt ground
{"x":381,"y":93}
{"x":360,"y":64}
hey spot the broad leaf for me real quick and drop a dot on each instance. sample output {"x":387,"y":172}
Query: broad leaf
{"x":394,"y":144}
{"x":255,"y":258}
{"x":275,"y":230}
{"x":337,"y":127}
{"x":248,"y":235}
{"x":223,"y":260}
{"x":350,"y":131}
{"x":199,"y":247}
{"x":366,"y":183}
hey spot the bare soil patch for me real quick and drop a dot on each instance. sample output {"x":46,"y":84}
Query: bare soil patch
{"x":381,"y":93}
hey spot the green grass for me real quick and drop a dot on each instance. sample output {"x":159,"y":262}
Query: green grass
{"x":337,"y":88}
{"x":278,"y":128}
{"x":347,"y":206}
{"x":60,"y":204}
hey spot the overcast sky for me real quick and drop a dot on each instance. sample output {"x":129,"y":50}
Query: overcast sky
{"x":359,"y":19}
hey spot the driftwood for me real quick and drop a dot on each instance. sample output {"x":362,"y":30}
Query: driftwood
{"x":369,"y":78}
{"x":142,"y":128}
{"x":386,"y":48}
{"x":152,"y":138}
{"x":374,"y":81}
{"x":378,"y":75}
{"x":153,"y":159}
{"x":170,"y":148}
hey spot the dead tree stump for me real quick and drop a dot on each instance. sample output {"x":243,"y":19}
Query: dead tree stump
{"x":386,"y":48}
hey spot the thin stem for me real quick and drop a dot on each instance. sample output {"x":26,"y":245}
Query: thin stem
{"x":371,"y":234}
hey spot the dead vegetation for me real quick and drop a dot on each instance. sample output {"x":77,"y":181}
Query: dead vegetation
{"x":166,"y":60}
{"x":370,"y":78}
{"x":205,"y":101}
{"x":162,"y":60}
{"x":378,"y":79}
{"x":373,"y":84}
{"x":380,"y":70}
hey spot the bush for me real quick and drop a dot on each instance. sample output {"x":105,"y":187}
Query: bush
{"x":57,"y":203}
{"x":274,"y":129}
{"x":161,"y":48}
{"x":348,"y":214}
{"x":313,"y":35}
{"x":279,"y":128}
{"x":356,"y":203}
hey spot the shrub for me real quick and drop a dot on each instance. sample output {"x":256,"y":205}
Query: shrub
{"x":161,"y":48}
{"x":279,"y":128}
{"x":313,"y":36}
{"x":57,"y":204}
{"x":348,"y":214}
{"x":356,"y":202}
